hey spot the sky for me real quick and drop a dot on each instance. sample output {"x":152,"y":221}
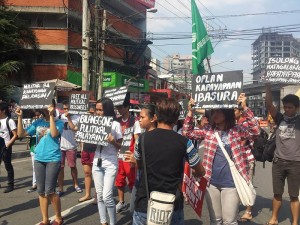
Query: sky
{"x":224,"y":50}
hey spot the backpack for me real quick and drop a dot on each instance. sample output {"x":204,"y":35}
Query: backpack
{"x":259,"y":146}
{"x":264,"y":146}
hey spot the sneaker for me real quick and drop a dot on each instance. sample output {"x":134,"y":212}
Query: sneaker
{"x":121,"y":206}
{"x":32,"y":189}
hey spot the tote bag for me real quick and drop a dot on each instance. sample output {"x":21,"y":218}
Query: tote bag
{"x":245,"y":191}
{"x":160,"y":208}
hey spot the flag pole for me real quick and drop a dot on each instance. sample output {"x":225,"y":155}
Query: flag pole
{"x":208,"y":63}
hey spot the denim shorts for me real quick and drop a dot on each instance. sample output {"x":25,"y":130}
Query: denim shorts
{"x":140,"y":218}
{"x":46,"y":176}
{"x":286,"y":170}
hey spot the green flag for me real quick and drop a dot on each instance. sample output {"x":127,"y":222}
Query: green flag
{"x":201,"y":45}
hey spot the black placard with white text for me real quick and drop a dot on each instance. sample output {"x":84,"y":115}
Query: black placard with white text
{"x":217,"y":90}
{"x":79,"y":103}
{"x":94,"y":129}
{"x":127,"y":136}
{"x":282,"y":70}
{"x":184,"y":108}
{"x":117,"y":95}
{"x":37,"y":95}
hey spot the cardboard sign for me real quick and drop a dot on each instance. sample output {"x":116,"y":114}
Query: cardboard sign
{"x":127,"y":136}
{"x":79,"y":103}
{"x":217,"y":90}
{"x":37,"y":95}
{"x":117,"y":95}
{"x":194,"y":189}
{"x":282,"y":70}
{"x":94,"y":129}
{"x":184,"y":108}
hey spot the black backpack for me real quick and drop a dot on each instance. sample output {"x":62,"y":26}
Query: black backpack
{"x":259,"y":146}
{"x":264,"y":146}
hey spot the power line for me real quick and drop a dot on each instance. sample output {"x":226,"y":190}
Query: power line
{"x":233,"y":15}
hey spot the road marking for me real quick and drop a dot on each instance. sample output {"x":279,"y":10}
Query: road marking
{"x":72,"y":209}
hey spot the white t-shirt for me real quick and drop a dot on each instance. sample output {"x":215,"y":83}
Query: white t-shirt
{"x":67,"y":141}
{"x":109,"y":153}
{"x":137,"y":128}
{"x":4,"y":133}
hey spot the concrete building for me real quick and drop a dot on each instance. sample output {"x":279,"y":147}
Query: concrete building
{"x":269,"y":44}
{"x":272,"y":44}
{"x":58,"y":27}
{"x":179,"y":67}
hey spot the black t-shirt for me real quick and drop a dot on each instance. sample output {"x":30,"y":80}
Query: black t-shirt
{"x":165,"y":153}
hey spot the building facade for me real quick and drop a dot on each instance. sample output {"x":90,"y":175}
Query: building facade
{"x":272,"y":44}
{"x":58,"y":27}
{"x":268,"y":44}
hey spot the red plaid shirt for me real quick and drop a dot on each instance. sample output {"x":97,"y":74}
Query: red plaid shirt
{"x":236,"y":136}
{"x":248,"y":145}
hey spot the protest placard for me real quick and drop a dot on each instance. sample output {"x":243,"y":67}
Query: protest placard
{"x":79,"y":103}
{"x":94,"y":129}
{"x":217,"y":90}
{"x":117,"y":95}
{"x":37,"y":95}
{"x":193,"y":189}
{"x":282,"y":70}
{"x":184,"y":108}
{"x":127,"y":135}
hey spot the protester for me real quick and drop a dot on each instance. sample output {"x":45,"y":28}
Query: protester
{"x":87,"y":157}
{"x":248,"y":145}
{"x":32,"y":143}
{"x":105,"y":164}
{"x":147,"y":122}
{"x":286,"y":163}
{"x":165,"y":151}
{"x":68,"y":146}
{"x":8,"y":131}
{"x":47,"y":160}
{"x":126,"y":171}
{"x":221,"y":195}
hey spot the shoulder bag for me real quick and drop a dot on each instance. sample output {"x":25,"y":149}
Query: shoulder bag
{"x":245,"y":190}
{"x":160,"y":205}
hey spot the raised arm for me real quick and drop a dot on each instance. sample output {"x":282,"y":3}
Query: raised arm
{"x":20,"y":130}
{"x":268,"y":100}
{"x":188,"y":126}
{"x":53,"y":130}
{"x":251,"y":127}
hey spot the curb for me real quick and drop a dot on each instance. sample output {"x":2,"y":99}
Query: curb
{"x":20,"y":154}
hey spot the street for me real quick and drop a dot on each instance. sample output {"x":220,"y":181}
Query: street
{"x":20,"y":207}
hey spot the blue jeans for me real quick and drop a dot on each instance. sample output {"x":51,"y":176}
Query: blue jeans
{"x":46,"y":176}
{"x":140,"y":218}
{"x":104,"y":179}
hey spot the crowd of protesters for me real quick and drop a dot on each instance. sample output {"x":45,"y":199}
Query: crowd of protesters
{"x":52,"y":143}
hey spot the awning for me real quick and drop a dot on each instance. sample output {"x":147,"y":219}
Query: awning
{"x":62,"y":85}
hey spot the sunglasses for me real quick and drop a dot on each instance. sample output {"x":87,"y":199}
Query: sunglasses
{"x":65,"y":108}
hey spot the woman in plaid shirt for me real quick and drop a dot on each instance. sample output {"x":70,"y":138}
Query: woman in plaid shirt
{"x":221,"y":195}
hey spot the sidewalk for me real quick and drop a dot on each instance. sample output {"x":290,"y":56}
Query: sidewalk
{"x":20,"y":150}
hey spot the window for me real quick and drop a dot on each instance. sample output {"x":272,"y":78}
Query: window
{"x":40,"y":22}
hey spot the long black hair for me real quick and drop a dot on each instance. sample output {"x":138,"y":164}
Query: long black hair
{"x":229,"y":118}
{"x":108,"y":107}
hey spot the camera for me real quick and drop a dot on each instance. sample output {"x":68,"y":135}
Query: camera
{"x":99,"y":162}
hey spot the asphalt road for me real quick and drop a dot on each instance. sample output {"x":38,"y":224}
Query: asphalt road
{"x":20,"y":207}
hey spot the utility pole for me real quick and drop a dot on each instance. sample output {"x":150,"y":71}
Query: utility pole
{"x":85,"y":44}
{"x":101,"y":57}
{"x":95,"y":48}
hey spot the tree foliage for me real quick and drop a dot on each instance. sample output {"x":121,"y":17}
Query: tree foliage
{"x":15,"y":39}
